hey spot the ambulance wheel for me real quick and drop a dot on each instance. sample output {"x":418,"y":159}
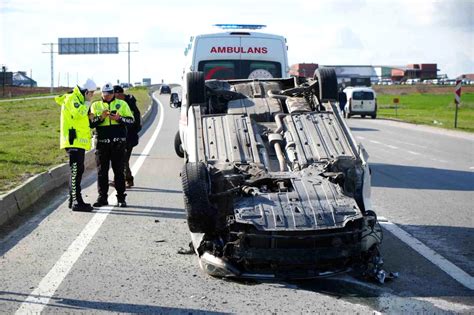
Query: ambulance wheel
{"x":327,"y":83}
{"x":196,"y":88}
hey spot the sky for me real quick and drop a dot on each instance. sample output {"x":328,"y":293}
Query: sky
{"x":338,"y":32}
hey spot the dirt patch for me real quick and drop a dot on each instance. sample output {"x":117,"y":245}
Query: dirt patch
{"x":16,"y":91}
{"x":419,"y":88}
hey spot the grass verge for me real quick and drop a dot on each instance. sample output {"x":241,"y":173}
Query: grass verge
{"x":29,"y":130}
{"x":429,"y":109}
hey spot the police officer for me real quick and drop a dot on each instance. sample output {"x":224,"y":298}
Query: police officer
{"x":76,"y":137}
{"x":342,"y":98}
{"x":111,"y":118}
{"x":132,"y":131}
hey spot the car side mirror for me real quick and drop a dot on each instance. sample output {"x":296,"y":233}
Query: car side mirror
{"x":174,"y":100}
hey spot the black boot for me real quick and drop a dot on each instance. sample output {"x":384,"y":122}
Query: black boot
{"x":80,"y":205}
{"x":121,"y":201}
{"x":101,"y":201}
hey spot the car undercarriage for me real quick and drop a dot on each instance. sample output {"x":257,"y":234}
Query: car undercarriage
{"x":274,"y":184}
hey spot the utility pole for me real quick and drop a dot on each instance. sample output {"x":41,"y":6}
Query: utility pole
{"x":128,"y":63}
{"x":129,"y":51}
{"x":51,"y":51}
{"x":52,"y":70}
{"x":4,"y":70}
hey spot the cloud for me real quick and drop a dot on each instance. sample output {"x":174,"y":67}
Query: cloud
{"x":347,"y":39}
{"x":456,"y":14}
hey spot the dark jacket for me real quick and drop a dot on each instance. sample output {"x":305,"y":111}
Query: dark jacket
{"x":132,"y":130}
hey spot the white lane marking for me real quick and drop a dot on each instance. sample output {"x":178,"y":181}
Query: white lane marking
{"x":361,"y":138}
{"x":451,"y":269}
{"x":414,"y":153}
{"x":41,"y":295}
{"x":384,"y":144}
{"x":412,"y":144}
{"x":440,"y":161}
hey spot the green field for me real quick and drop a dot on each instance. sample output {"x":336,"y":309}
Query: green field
{"x":29,"y":130}
{"x":429,"y":109}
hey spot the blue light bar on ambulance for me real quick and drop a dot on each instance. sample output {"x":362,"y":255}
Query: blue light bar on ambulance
{"x":240,"y":26}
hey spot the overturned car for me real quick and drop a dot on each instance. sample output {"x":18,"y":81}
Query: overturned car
{"x":274,"y":184}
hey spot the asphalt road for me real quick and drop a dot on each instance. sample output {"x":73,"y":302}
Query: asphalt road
{"x":125,"y":259}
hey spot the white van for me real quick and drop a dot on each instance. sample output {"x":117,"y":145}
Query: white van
{"x":360,"y":101}
{"x":239,"y":53}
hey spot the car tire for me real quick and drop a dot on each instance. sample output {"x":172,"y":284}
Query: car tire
{"x":374,"y":115}
{"x":178,"y":148}
{"x":200,"y":215}
{"x":327,"y":83}
{"x":363,"y":116}
{"x":196,"y":88}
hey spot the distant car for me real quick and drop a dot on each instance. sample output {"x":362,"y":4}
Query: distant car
{"x":360,"y":101}
{"x":126,"y":85}
{"x":165,"y":89}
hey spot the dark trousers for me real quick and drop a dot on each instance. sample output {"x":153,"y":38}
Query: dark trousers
{"x":106,"y":154}
{"x":76,"y":164}
{"x":128,"y":153}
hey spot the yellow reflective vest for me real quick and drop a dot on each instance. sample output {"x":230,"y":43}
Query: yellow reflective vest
{"x":118,"y":105}
{"x":74,"y":127}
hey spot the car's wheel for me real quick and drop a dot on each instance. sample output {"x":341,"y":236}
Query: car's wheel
{"x":178,"y":147}
{"x":374,"y":115}
{"x":327,"y":83}
{"x":200,"y":214}
{"x":363,"y":116}
{"x":196,"y":88}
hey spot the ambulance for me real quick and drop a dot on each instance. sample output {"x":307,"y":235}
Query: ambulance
{"x":236,"y":53}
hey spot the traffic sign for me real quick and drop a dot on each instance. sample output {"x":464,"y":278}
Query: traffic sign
{"x":457,"y":92}
{"x":457,"y":100}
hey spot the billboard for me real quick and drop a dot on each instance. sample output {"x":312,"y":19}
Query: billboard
{"x":108,"y":45}
{"x":88,"y":45}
